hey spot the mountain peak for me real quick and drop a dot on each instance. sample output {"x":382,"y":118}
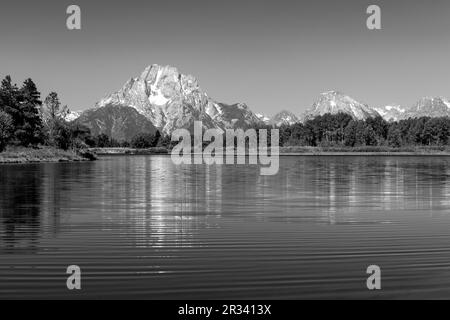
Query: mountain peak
{"x":332,"y":93}
{"x":335,"y":102}
{"x":284,"y":117}
{"x":172,"y":100}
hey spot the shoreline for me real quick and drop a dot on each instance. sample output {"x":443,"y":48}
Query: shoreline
{"x":289,"y":151}
{"x":383,"y":154}
{"x":21,"y":155}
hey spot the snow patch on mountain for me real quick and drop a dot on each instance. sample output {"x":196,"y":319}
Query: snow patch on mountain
{"x":391,"y":112}
{"x":263,"y":118}
{"x":72,"y":115}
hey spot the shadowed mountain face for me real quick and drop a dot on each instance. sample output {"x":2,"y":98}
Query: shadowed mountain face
{"x":171,"y":100}
{"x":120,"y":123}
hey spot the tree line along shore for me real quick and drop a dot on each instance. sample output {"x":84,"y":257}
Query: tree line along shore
{"x":325,"y":135}
{"x":32,"y":130}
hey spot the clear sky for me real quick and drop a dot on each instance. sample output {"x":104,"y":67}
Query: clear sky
{"x":272,"y":55}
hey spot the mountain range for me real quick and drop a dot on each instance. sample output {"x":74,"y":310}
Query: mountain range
{"x":162,"y":98}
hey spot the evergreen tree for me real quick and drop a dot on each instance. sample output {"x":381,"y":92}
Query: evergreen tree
{"x":29,"y":129}
{"x":350,"y":134}
{"x":103,"y":141}
{"x":143,"y":141}
{"x":395,"y":136}
{"x":9,"y":94}
{"x":6,"y":129}
{"x":156,"y":138}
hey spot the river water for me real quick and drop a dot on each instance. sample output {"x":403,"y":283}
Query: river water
{"x":141,"y":227}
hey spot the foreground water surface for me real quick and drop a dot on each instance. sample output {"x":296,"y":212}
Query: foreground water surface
{"x":141,"y":227}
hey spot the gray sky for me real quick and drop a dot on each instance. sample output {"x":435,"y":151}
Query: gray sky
{"x":271,"y":55}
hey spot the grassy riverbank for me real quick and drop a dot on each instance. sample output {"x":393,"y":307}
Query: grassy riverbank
{"x":43,"y":154}
{"x":297,"y":150}
{"x":129,"y":151}
{"x":366,"y":150}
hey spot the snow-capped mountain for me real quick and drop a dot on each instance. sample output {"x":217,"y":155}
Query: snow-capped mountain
{"x":425,"y":107}
{"x":334,"y":102}
{"x":171,"y":100}
{"x":284,"y":118}
{"x":263,"y":118}
{"x":72,"y":115}
{"x":429,"y":107}
{"x":392,"y":112}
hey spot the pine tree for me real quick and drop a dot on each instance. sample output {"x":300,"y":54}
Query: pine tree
{"x":395,"y":137}
{"x":6,"y":128}
{"x":30,"y":132}
{"x":156,"y":138}
{"x":9,"y":94}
